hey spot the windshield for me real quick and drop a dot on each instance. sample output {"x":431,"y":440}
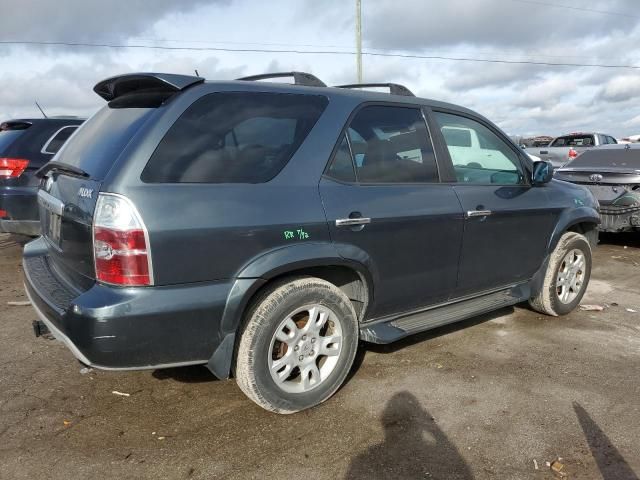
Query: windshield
{"x":101,"y":139}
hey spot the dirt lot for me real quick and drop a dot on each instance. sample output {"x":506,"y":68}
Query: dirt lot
{"x":488,"y":398}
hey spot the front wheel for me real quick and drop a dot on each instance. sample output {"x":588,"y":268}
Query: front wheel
{"x":567,"y":276}
{"x":298,"y":344}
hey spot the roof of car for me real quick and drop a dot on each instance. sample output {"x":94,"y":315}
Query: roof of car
{"x":336,"y":92}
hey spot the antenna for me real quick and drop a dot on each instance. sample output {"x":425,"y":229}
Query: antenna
{"x":41,"y":110}
{"x":197,"y":74}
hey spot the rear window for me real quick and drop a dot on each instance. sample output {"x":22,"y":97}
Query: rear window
{"x":573,"y":141}
{"x":101,"y":139}
{"x":7,"y":137}
{"x":234,"y":138}
{"x":57,"y":140}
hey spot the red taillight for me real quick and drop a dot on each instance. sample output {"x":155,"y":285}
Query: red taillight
{"x":12,"y":167}
{"x":572,"y":153}
{"x":120,"y":243}
{"x":3,"y":213}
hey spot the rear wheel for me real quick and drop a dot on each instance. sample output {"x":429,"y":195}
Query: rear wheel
{"x":298,"y":344}
{"x":567,"y":276}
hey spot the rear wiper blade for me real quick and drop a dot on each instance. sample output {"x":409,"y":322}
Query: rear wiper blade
{"x":62,"y":167}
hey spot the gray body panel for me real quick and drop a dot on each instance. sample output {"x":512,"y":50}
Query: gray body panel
{"x":222,"y":242}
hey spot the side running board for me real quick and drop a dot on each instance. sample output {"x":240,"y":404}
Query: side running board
{"x":387,"y":331}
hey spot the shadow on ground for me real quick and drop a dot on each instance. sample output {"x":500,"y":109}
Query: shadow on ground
{"x":626,"y":239}
{"x":413,"y":447}
{"x":192,"y":374}
{"x":611,"y":463}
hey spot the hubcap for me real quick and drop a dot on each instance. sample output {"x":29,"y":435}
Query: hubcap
{"x":305,"y":348}
{"x":570,"y":278}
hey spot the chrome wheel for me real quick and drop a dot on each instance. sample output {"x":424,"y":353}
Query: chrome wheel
{"x":305,"y":348}
{"x":570,"y":279}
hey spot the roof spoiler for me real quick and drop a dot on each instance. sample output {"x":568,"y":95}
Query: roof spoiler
{"x":115,"y":87}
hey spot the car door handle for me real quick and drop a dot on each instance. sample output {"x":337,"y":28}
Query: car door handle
{"x":478,"y":213}
{"x":350,"y":222}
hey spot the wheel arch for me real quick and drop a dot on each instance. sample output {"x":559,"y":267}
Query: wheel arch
{"x":582,"y":220}
{"x":319,"y":260}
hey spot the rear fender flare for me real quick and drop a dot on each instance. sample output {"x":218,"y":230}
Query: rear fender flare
{"x":257,"y":272}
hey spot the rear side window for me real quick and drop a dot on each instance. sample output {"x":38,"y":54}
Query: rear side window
{"x":57,"y":140}
{"x":234,"y":138}
{"x":390,"y":145}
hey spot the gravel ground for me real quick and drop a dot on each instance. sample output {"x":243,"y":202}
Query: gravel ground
{"x":488,"y":398}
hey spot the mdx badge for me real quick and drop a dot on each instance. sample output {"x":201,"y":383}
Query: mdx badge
{"x":596,"y":177}
{"x":85,"y":192}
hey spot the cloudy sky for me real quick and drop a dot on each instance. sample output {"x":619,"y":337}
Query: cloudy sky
{"x":521,"y":98}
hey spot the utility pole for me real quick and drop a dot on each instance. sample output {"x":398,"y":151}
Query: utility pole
{"x":359,"y":39}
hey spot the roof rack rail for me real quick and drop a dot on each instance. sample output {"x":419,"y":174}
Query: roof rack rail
{"x":299,"y":78}
{"x":394,"y":88}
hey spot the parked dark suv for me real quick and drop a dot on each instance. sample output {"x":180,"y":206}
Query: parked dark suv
{"x":262,"y":229}
{"x":25,"y":146}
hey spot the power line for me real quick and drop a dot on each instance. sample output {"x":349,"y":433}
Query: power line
{"x":322,"y":52}
{"x":580,"y":9}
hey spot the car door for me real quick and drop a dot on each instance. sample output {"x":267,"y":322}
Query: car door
{"x":507,"y":220}
{"x":386,"y":207}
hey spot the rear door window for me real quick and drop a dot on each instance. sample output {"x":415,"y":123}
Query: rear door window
{"x":391,"y":144}
{"x":58,"y":139}
{"x":234,"y":138}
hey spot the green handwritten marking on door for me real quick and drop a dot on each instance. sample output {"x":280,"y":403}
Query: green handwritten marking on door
{"x":298,"y":234}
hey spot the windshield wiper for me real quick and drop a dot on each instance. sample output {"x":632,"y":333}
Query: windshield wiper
{"x":62,"y":167}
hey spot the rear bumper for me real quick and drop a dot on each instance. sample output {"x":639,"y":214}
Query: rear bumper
{"x":30,"y":228}
{"x":126,"y":328}
{"x":21,"y":203}
{"x":619,"y":219}
{"x":21,"y":207}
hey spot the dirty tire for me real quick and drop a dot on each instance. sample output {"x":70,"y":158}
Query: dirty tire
{"x":263,"y":318}
{"x":547,"y":301}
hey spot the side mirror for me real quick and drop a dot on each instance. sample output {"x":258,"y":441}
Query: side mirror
{"x":542,"y":172}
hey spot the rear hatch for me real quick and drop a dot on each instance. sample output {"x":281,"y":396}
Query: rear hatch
{"x":72,"y":181}
{"x":70,"y":187}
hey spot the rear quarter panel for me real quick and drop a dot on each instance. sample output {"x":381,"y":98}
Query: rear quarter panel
{"x":203,"y":232}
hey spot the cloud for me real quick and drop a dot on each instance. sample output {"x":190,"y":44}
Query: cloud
{"x":472,"y":75}
{"x":67,"y":89}
{"x":84,"y":20}
{"x":416,"y":24}
{"x":621,"y":89}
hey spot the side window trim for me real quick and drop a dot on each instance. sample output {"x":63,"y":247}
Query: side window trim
{"x":48,"y":142}
{"x":443,"y":159}
{"x":525,"y":164}
{"x":344,"y":132}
